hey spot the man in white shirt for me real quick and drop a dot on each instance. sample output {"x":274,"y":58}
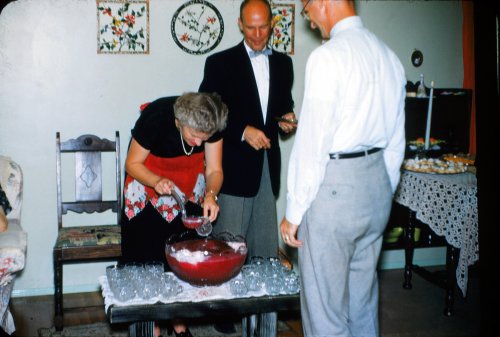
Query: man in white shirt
{"x":343,"y":170}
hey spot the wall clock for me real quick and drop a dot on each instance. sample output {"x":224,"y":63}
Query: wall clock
{"x":197,"y":27}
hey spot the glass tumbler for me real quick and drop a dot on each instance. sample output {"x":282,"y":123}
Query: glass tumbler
{"x":273,"y":285}
{"x":237,"y":287}
{"x":292,"y":283}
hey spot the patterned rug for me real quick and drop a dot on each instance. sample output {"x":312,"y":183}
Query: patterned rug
{"x":105,"y":330}
{"x":90,"y":330}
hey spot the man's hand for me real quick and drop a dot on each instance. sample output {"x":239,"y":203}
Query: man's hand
{"x":289,"y":125}
{"x":256,"y":138}
{"x":289,"y":233}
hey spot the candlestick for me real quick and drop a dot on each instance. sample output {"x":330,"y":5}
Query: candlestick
{"x":421,"y":92}
{"x":429,"y":117}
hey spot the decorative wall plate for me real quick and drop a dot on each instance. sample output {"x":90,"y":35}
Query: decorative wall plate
{"x":417,"y":58}
{"x":197,"y":27}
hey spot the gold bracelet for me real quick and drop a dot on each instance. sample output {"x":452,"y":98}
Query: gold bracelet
{"x":212,"y":193}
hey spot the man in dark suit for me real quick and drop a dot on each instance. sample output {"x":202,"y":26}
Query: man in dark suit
{"x":255,"y":83}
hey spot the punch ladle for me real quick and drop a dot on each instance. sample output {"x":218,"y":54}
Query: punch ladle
{"x":201,"y":224}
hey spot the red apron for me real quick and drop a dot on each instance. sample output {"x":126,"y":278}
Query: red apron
{"x":187,"y":172}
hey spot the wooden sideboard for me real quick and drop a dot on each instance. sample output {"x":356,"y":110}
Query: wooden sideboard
{"x":451,"y":116}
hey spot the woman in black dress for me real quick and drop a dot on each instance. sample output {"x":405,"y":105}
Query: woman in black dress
{"x":176,"y":144}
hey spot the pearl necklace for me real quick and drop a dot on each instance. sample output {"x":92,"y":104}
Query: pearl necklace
{"x":183,"y":147}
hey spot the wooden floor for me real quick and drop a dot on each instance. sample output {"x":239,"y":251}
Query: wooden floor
{"x":32,"y":313}
{"x":415,"y":312}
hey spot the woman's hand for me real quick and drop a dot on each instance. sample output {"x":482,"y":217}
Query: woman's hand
{"x":210,"y":207}
{"x":134,"y":164}
{"x":214,"y":177}
{"x":164,"y":186}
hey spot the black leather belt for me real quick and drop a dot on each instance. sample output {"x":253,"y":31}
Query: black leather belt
{"x":354,"y":154}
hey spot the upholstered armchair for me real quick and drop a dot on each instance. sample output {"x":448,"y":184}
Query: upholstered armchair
{"x":12,"y":241}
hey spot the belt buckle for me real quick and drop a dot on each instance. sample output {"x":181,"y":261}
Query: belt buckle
{"x":335,"y":156}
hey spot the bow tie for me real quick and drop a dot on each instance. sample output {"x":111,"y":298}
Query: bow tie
{"x":266,"y":52}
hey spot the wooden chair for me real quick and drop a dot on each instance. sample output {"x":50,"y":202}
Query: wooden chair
{"x":84,"y":242}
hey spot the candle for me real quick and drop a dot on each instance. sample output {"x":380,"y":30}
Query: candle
{"x":429,"y":117}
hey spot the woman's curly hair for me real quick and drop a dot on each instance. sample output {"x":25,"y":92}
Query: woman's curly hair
{"x":202,"y":112}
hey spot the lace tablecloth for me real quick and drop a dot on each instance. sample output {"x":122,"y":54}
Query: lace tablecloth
{"x":189,"y":294}
{"x":447,"y":203}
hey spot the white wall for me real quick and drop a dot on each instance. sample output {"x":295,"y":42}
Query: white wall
{"x":52,"y":79}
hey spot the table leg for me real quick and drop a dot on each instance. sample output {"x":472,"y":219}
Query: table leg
{"x":267,"y":325}
{"x":409,"y":249}
{"x":451,"y":267}
{"x":142,"y":329}
{"x":248,"y":326}
{"x":261,"y":325}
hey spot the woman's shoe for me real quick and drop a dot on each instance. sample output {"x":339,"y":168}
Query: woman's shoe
{"x":186,"y":333}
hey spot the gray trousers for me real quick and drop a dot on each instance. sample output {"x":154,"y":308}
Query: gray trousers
{"x":342,"y":233}
{"x":253,"y":218}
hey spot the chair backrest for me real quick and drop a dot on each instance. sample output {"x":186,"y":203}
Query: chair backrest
{"x":88,"y":198}
{"x":11,"y":179}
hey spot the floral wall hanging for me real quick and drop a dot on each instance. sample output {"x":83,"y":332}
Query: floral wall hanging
{"x":123,"y":26}
{"x":282,"y":38}
{"x":197,"y":27}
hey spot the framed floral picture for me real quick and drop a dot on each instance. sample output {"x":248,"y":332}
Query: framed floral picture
{"x":282,"y":37}
{"x":123,"y":26}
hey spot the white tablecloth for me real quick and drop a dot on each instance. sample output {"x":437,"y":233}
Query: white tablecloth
{"x":447,"y":203}
{"x":189,"y":294}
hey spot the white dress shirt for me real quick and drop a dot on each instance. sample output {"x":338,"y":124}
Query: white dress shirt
{"x":353,"y":100}
{"x":260,"y":65}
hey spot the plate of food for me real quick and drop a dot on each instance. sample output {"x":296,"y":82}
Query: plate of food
{"x":434,"y":165}
{"x":460,"y":158}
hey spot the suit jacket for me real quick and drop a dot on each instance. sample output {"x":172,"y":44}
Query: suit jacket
{"x":229,"y":73}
